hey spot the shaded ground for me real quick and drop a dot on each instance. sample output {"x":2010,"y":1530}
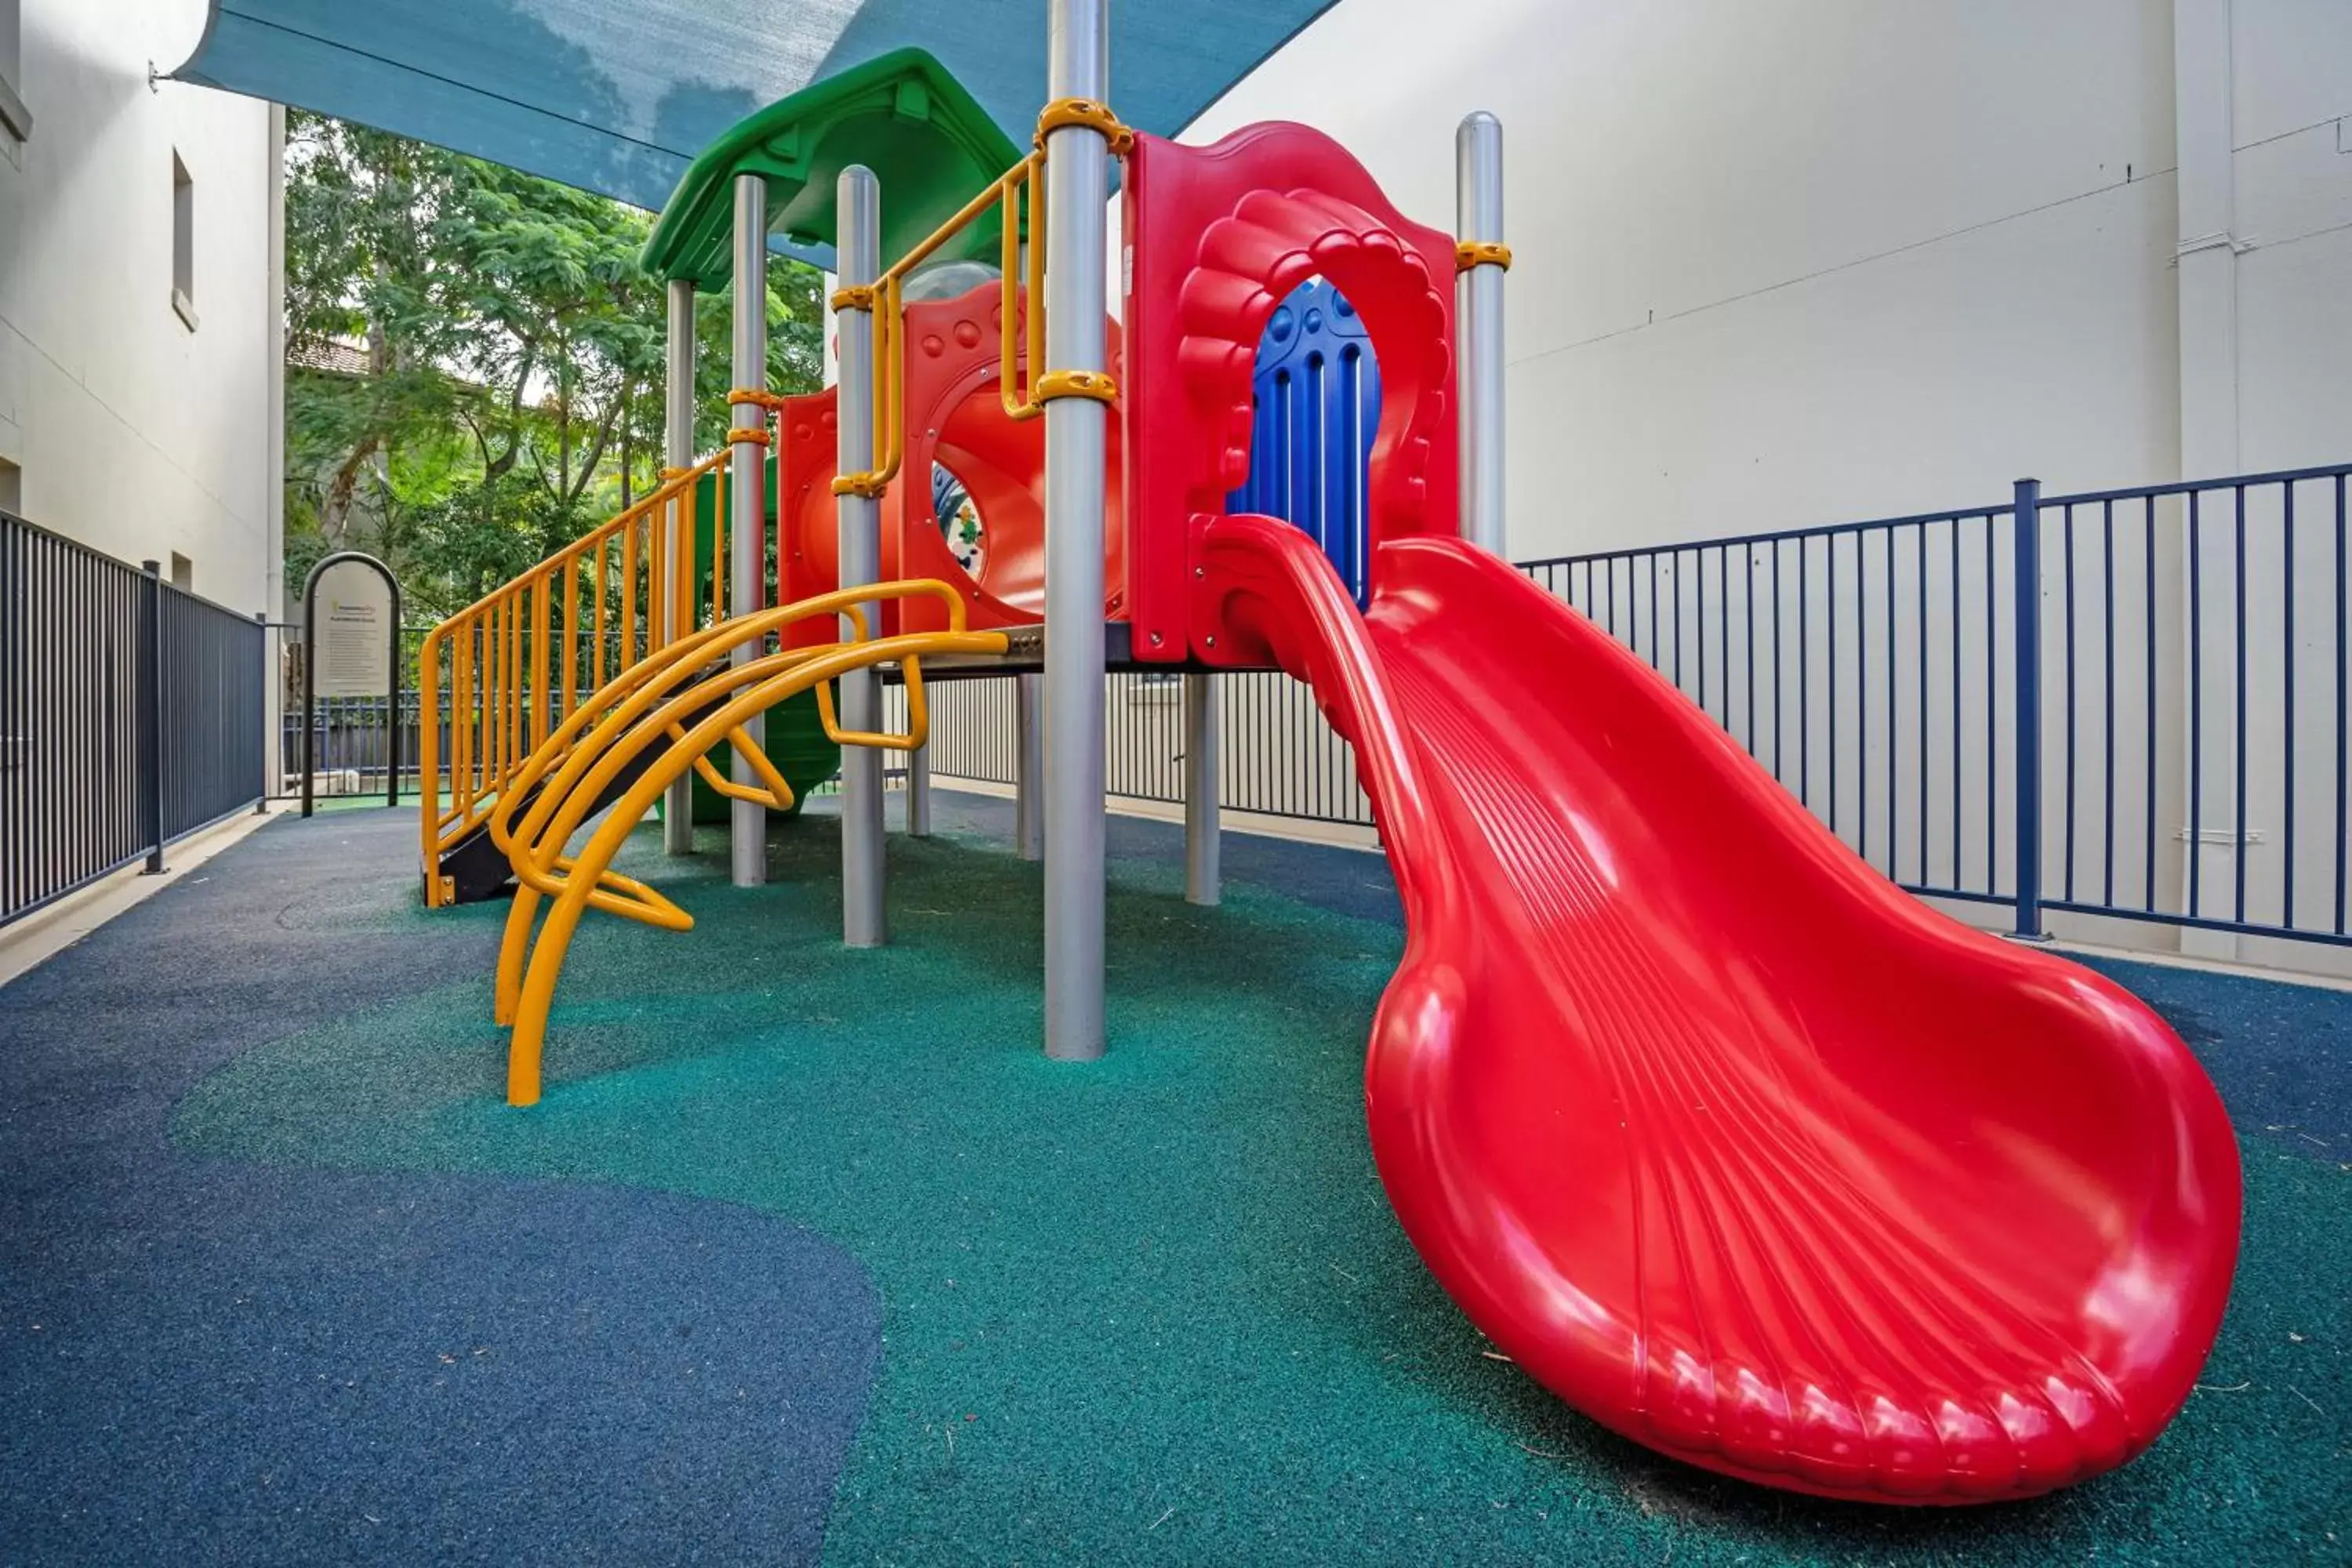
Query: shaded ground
{"x":208,"y":1360}
{"x":1154,"y":1309}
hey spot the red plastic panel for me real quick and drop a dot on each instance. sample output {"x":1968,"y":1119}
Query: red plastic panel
{"x":807,"y":542}
{"x":1714,"y":1132}
{"x":954,"y":416}
{"x":1217,"y":237}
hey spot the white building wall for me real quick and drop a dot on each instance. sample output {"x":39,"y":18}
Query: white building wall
{"x":1782,"y":262}
{"x":1790,"y":262}
{"x":133,"y":433}
{"x":2291,"y":162}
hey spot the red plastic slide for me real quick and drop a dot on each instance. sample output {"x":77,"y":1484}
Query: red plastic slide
{"x":1729,"y":1142}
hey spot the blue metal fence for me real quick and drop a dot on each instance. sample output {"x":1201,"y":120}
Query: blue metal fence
{"x":2129,"y":704}
{"x":2126,"y":703}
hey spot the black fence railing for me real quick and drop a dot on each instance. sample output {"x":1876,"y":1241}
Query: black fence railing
{"x":212,"y":712}
{"x":351,"y":736}
{"x":131,"y":714}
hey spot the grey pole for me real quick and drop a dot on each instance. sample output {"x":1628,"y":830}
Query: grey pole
{"x":677,"y":452}
{"x":1202,"y":850}
{"x":1078,"y":195}
{"x":858,"y":202}
{"x":746,"y":527}
{"x":919,"y":792}
{"x":1029,"y":766}
{"x":1478,"y":208}
{"x":152,"y":726}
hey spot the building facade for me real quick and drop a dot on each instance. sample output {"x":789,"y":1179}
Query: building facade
{"x":140,"y":302}
{"x":1786,"y":262}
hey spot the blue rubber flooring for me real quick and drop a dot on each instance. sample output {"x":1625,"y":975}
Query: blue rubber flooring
{"x":2279,"y":1053}
{"x":209,"y":1360}
{"x":205,"y":1361}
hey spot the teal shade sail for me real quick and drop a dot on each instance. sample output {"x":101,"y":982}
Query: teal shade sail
{"x":619,"y":96}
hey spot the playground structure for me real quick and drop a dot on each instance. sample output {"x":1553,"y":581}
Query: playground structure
{"x":1861,"y":1204}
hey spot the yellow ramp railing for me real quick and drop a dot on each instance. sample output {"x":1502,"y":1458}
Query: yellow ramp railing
{"x":676,"y":705}
{"x":519,"y":662}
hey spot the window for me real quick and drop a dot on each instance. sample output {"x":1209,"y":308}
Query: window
{"x":15,"y":120}
{"x":183,"y":572}
{"x":12,"y":488}
{"x":184,"y":243}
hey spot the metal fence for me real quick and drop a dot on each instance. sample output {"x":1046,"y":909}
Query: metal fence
{"x":2148,"y":722}
{"x":351,"y":736}
{"x":131,"y":714}
{"x":1278,"y":758}
{"x":2130,"y":704}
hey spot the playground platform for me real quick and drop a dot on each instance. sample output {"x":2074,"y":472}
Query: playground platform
{"x":808,"y":1253}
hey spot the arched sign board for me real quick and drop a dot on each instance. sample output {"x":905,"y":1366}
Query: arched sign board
{"x":351,"y":648}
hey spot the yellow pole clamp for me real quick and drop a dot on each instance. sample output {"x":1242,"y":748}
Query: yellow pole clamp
{"x":1481,"y":253}
{"x":1096,"y":384}
{"x":853,"y":297}
{"x":756,"y":397}
{"x":870,"y":485}
{"x":1089,"y":113}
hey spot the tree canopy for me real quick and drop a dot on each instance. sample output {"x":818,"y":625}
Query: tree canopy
{"x":475,"y":363}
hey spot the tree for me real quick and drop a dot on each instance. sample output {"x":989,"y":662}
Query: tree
{"x":476,"y":364}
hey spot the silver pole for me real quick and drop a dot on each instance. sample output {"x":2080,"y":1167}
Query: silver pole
{"x":746,"y":528}
{"x":918,"y":793}
{"x":678,"y":451}
{"x":1478,"y":296}
{"x":1029,"y":766}
{"x":858,"y":203}
{"x":1202,"y":849}
{"x":1078,"y":194}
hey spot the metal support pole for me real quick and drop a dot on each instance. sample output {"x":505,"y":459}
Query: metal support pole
{"x":152,"y":722}
{"x":1029,"y":766}
{"x":918,"y":793}
{"x":747,"y":525}
{"x":678,"y":529}
{"x":2026,"y":569}
{"x":1078,"y":194}
{"x":391,"y":727}
{"x":271,"y":739}
{"x":1202,"y":848}
{"x":1478,"y":301}
{"x":857,"y":199}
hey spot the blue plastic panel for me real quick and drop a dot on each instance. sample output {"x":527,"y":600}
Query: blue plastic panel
{"x":1317,"y":395}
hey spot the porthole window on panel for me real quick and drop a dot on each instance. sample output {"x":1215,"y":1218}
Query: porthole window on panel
{"x":961,"y":524}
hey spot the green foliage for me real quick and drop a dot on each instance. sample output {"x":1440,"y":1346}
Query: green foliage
{"x":476,"y":364}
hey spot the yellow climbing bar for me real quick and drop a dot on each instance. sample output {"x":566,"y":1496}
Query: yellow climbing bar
{"x":667,"y":713}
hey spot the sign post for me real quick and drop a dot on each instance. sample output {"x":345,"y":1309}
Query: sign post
{"x":354,"y":651}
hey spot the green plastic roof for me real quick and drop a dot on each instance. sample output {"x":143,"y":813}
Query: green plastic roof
{"x":900,"y":115}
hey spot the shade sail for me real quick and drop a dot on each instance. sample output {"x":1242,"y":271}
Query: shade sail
{"x":618,"y":96}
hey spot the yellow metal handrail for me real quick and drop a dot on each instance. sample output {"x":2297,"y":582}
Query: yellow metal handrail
{"x":520,"y":659}
{"x":1020,"y":332}
{"x":653,"y":717}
